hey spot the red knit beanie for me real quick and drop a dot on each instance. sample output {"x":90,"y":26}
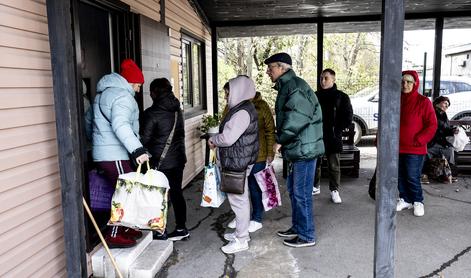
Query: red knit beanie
{"x":131,"y":72}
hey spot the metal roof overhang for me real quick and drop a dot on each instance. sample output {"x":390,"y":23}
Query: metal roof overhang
{"x":241,"y":18}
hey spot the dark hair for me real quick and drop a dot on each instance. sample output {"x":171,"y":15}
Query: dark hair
{"x":159,"y":86}
{"x":440,"y":99}
{"x":226,"y":86}
{"x":331,"y":71}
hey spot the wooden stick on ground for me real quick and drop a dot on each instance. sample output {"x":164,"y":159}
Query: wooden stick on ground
{"x":101,"y":238}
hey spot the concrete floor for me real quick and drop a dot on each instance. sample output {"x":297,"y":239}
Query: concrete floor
{"x":436,"y":245}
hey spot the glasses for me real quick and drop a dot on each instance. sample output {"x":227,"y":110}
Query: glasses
{"x":270,"y":67}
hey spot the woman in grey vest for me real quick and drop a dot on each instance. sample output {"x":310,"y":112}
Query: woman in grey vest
{"x":237,"y":144}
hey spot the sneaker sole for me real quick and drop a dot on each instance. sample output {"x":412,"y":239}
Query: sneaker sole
{"x":411,"y":207}
{"x":286,"y":235}
{"x":112,"y":246}
{"x":235,"y":251}
{"x":316,"y":193}
{"x":308,"y":244}
{"x":177,"y":238}
{"x":253,"y":231}
{"x":232,"y":238}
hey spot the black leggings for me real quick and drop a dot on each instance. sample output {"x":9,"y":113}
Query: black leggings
{"x":175,"y":176}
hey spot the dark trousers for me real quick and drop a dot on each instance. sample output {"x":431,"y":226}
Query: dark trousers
{"x":333,"y":170}
{"x":175,"y":176}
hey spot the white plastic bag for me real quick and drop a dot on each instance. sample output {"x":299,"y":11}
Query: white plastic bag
{"x":459,"y":140}
{"x":140,"y":200}
{"x":212,"y":194}
{"x":268,"y":184}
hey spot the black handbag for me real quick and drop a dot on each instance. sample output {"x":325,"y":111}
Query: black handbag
{"x":233,"y":182}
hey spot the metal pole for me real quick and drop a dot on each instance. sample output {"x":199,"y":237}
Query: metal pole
{"x":392,"y":31}
{"x":437,"y":59}
{"x":320,"y":52}
{"x":424,"y":74}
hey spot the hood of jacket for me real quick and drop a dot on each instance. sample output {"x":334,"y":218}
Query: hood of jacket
{"x":415,"y":88}
{"x":240,"y":88}
{"x":167,"y":102}
{"x":114,"y":80}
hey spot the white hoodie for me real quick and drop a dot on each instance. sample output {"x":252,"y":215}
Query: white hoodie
{"x":240,"y":88}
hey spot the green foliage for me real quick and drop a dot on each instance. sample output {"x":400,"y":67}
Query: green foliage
{"x":354,"y":57}
{"x":209,"y":121}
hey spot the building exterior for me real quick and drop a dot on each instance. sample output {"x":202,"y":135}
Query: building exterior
{"x":457,"y":60}
{"x":31,"y":212}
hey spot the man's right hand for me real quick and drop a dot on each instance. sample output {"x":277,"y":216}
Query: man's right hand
{"x":276,"y":148}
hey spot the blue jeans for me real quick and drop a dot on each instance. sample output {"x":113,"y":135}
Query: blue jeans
{"x":299,"y":183}
{"x":410,"y":168}
{"x":256,"y":193}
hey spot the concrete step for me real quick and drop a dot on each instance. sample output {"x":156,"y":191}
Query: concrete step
{"x":125,"y":257}
{"x":152,"y":259}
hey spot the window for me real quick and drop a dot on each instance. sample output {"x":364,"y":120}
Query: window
{"x":193,"y":75}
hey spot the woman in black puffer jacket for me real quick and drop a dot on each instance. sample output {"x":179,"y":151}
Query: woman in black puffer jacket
{"x":439,"y":146}
{"x":157,"y":124}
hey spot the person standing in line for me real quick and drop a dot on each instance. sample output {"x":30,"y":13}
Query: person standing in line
{"x":163,"y":121}
{"x":299,"y":138}
{"x":266,"y":138}
{"x":115,"y":135}
{"x":237,"y":144}
{"x":417,"y":128}
{"x":337,"y":114}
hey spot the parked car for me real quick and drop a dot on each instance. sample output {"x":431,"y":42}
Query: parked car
{"x":365,"y":104}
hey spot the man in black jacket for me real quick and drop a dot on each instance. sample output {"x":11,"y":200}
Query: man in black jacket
{"x":337,"y":114}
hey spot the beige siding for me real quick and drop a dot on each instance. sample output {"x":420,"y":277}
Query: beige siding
{"x":149,"y":8}
{"x":181,"y":16}
{"x":31,"y":233}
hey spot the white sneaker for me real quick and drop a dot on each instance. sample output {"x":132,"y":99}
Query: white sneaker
{"x":419,"y":209}
{"x":254,"y":226}
{"x":231,"y":237}
{"x":335,"y":197}
{"x":316,"y":191}
{"x":401,"y":204}
{"x":235,"y":246}
{"x":232,"y":224}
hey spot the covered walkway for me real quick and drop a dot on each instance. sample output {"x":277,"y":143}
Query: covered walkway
{"x":437,"y":244}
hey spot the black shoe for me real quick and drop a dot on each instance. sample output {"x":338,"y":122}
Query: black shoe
{"x":287,"y":233}
{"x":179,"y":234}
{"x":297,"y":242}
{"x":159,"y":236}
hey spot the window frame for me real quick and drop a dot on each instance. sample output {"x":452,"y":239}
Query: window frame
{"x":188,"y":41}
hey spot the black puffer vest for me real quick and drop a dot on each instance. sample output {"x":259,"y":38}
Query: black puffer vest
{"x":244,"y":151}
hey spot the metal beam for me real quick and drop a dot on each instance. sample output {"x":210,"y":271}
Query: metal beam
{"x":320,"y":52}
{"x":66,"y":97}
{"x":437,"y":58}
{"x":392,"y":29}
{"x":359,"y":18}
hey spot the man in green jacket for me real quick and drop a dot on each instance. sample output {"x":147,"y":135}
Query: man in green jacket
{"x":299,"y":138}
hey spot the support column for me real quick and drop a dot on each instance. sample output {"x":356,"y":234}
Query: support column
{"x":320,"y":52}
{"x":437,"y":58}
{"x":66,"y":97}
{"x":392,"y":29}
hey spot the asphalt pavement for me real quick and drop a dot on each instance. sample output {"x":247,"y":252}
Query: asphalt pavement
{"x":435,"y":245}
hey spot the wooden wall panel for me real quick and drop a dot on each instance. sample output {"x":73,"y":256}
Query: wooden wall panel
{"x":29,"y":178}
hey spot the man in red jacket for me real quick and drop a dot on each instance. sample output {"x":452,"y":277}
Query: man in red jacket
{"x":418,"y":126}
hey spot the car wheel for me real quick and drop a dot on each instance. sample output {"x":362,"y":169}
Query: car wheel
{"x":358,"y":133}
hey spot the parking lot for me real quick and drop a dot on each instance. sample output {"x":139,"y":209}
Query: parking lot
{"x":436,"y":245}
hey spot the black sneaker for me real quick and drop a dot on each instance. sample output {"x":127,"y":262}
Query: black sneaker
{"x":287,"y":233}
{"x":179,"y":234}
{"x":297,"y":242}
{"x":159,"y":236}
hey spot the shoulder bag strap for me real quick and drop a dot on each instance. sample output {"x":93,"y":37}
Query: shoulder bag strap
{"x":169,"y":141}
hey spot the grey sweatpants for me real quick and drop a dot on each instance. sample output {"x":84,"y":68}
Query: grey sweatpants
{"x":240,"y":205}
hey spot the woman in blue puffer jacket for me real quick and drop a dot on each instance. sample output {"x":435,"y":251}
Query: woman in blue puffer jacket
{"x":115,"y":134}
